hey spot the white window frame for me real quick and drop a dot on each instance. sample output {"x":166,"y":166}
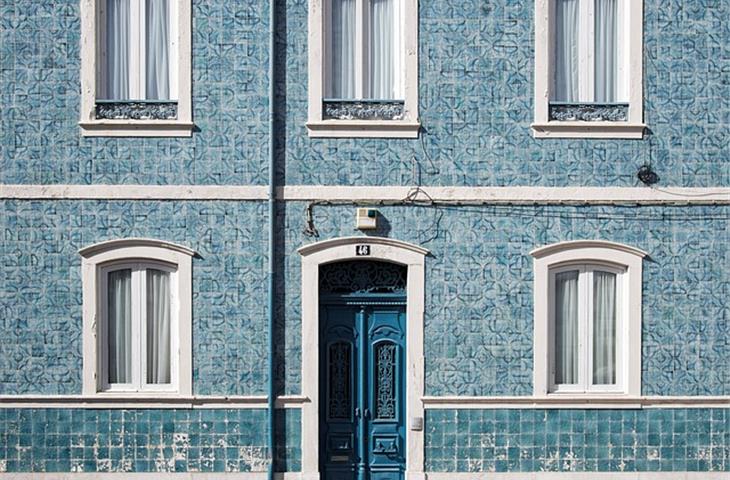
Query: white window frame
{"x":92,"y":72}
{"x":319,"y":65}
{"x":97,"y":261}
{"x":585,"y":328}
{"x":139,"y":337}
{"x":631,"y":16}
{"x":617,"y":258}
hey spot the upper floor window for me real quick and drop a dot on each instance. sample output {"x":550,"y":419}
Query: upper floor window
{"x":588,"y":68}
{"x":587,"y":319}
{"x":136,"y":68}
{"x":363,"y":69}
{"x":137,"y":317}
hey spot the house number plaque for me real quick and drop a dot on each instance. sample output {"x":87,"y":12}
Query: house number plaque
{"x":362,"y":250}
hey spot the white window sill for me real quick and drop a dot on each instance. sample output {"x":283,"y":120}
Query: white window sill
{"x":588,"y":130}
{"x":136,"y":128}
{"x":363,"y":129}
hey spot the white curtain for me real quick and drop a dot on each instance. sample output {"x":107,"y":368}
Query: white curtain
{"x":382,"y":50}
{"x":343,"y":49}
{"x":566,"y":327}
{"x":117,"y":50}
{"x":606,"y":50}
{"x":158,"y":326}
{"x":158,"y":47}
{"x":604,"y":328}
{"x":566,"y":50}
{"x":119,"y":324}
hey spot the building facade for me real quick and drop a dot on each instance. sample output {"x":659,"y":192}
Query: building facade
{"x":365,"y":239}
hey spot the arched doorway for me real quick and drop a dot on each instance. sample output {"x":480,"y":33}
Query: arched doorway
{"x":315,"y":348}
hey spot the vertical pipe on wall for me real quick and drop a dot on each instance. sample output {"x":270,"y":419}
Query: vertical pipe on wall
{"x":272,"y":232}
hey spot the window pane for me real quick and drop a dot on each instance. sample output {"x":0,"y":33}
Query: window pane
{"x":604,"y":328}
{"x":383,"y":44}
{"x":567,"y":24}
{"x":158,"y":50}
{"x":117,"y":49}
{"x":119,"y":324}
{"x":343,"y":49}
{"x":606,"y":50}
{"x":158,"y":326}
{"x":566,"y":327}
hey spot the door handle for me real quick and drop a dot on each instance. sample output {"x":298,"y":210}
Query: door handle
{"x":357,"y":412}
{"x":366,"y":413}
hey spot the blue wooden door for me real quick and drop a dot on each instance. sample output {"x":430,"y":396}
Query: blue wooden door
{"x":362,"y":413}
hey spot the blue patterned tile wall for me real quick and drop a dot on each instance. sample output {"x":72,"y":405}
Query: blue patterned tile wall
{"x":78,"y":440}
{"x":478,"y":300}
{"x":476,"y":71}
{"x":40,"y":288}
{"x":479,"y":297}
{"x":578,"y":440}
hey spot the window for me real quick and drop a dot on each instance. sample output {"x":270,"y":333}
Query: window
{"x":137,"y":317}
{"x":588,"y":319}
{"x":139,"y":314}
{"x":136,"y":68}
{"x":363,"y":69}
{"x":588,"y":68}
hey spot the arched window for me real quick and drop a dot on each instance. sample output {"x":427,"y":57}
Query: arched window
{"x":587,"y":318}
{"x":137,"y":317}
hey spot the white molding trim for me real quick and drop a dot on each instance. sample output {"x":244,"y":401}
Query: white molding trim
{"x":589,"y":251}
{"x":579,"y":476}
{"x":128,"y":401}
{"x":317,"y":127}
{"x":94,"y":259}
{"x":149,"y":476}
{"x":571,"y":245}
{"x":559,"y":129}
{"x":574,"y":402}
{"x":342,"y":249}
{"x":363,"y":129}
{"x":487,"y":195}
{"x":90,"y":126}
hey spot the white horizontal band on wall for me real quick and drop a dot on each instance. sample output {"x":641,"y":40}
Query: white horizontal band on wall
{"x":496,"y":195}
{"x":159,"y":401}
{"x":581,"y":476}
{"x":575,"y":402}
{"x":297,"y":401}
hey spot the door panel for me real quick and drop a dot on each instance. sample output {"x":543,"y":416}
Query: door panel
{"x":362,"y":418}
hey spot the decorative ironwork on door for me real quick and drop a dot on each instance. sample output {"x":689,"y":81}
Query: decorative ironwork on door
{"x":385,"y":375}
{"x":362,"y":277}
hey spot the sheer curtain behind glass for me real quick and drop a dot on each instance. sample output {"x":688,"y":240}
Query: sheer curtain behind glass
{"x":566,"y":50}
{"x":158,"y":326}
{"x":604,"y":328}
{"x":117,"y":49}
{"x":342,"y":81}
{"x":382,"y":49}
{"x":566,"y":327}
{"x":158,"y":50}
{"x":119,"y":325}
{"x":606,"y":55}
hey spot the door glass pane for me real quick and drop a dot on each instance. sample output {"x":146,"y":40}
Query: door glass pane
{"x":604,"y":328}
{"x":158,"y":50}
{"x":566,"y":327}
{"x":383,"y":44}
{"x":567,"y":24}
{"x":385,"y":381}
{"x":119,"y":325}
{"x":606,"y":54}
{"x":158,"y":326}
{"x":116,"y":63}
{"x":342,"y":81}
{"x":339,"y":388}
